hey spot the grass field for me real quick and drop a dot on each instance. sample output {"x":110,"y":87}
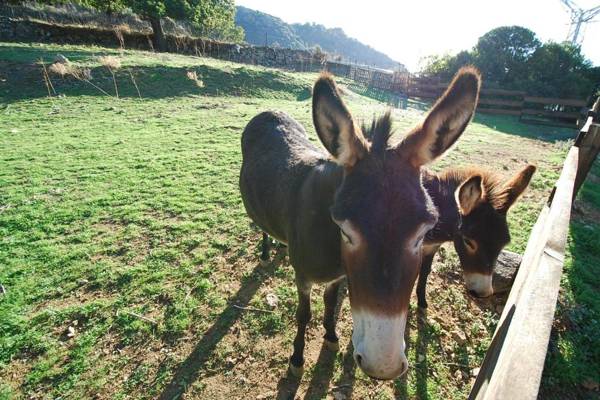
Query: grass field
{"x":125,"y":248}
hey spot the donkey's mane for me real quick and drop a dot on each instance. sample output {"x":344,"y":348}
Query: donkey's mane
{"x":379,"y":131}
{"x":493,"y":183}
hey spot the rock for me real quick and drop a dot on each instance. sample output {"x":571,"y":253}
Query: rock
{"x":272,"y":300}
{"x":459,"y":337}
{"x":590,"y":384}
{"x":61,"y":59}
{"x":2,"y":289}
{"x":265,"y":396}
{"x":70,"y":331}
{"x":420,"y":358}
{"x":475,"y":371}
{"x":339,"y":396}
{"x":505,"y":269}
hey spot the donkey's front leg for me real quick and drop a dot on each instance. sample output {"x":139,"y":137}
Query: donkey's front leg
{"x":423,"y":274}
{"x":330,"y":298}
{"x":265,"y":247}
{"x":303,"y":316}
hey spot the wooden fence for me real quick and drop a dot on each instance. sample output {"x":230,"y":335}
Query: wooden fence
{"x":402,"y":84}
{"x":514,"y":362}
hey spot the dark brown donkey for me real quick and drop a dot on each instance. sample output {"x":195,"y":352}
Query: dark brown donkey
{"x":472,"y":205}
{"x":338,"y":212}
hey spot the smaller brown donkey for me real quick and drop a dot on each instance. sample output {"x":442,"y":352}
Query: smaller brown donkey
{"x":338,"y":211}
{"x":472,"y":205}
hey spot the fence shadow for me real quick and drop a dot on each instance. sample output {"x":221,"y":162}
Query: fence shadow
{"x":511,"y":125}
{"x":491,"y":357}
{"x":187,"y":372}
{"x":422,"y":345}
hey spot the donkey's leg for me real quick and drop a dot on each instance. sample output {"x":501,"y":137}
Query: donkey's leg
{"x":303,"y":316}
{"x":423,"y":274}
{"x":330,"y":298}
{"x":265,"y":247}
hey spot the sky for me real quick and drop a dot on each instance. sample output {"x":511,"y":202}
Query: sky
{"x":408,"y":31}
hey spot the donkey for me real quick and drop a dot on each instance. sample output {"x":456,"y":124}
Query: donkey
{"x":337,"y":211}
{"x":472,"y":204}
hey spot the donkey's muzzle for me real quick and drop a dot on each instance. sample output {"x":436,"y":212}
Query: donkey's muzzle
{"x":379,"y":344}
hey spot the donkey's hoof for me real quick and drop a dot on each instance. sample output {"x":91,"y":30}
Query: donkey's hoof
{"x":296,"y":371}
{"x":263,"y":262}
{"x":332,"y":346}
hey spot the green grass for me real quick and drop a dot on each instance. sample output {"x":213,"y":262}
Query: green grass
{"x":121,"y":220}
{"x":574,"y":351}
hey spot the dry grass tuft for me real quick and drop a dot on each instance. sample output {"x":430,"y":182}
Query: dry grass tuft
{"x":60,"y":69}
{"x":193,"y":76}
{"x":110,"y":62}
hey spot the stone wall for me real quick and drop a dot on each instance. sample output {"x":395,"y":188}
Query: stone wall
{"x":19,"y":30}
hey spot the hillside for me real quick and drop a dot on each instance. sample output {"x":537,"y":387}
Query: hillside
{"x":262,"y":28}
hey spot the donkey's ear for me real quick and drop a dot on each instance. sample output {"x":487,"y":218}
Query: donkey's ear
{"x":514,"y":188}
{"x":469,"y":194}
{"x":335,"y":126}
{"x":446,"y":121}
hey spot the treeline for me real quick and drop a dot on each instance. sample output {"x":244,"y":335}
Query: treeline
{"x":211,"y":18}
{"x":263,"y":29}
{"x":512,"y":57}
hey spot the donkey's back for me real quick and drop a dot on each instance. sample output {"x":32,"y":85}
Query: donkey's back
{"x":277,"y":156}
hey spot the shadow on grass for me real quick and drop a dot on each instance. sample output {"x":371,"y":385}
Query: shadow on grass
{"x":422,"y":346}
{"x":401,"y":384}
{"x":188,"y":371}
{"x":345,"y":383}
{"x":511,"y":125}
{"x":575,"y":344}
{"x":323,"y":372}
{"x":25,"y":81}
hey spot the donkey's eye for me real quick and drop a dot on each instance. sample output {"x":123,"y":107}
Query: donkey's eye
{"x":345,"y":237}
{"x":470,"y":244}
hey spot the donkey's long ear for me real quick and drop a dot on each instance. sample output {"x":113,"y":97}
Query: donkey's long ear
{"x":514,"y":188}
{"x":335,"y":126}
{"x":469,"y":194}
{"x":446,"y":121}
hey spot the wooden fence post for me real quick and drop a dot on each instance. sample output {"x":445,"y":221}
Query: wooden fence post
{"x":589,"y":145}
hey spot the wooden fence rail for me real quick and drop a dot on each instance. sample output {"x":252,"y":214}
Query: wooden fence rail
{"x":513,"y":365}
{"x":529,"y":109}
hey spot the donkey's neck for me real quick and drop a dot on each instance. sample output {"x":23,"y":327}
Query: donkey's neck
{"x":441,"y":187}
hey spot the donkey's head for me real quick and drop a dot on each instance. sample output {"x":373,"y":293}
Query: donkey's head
{"x":381,"y":243}
{"x":483,"y":201}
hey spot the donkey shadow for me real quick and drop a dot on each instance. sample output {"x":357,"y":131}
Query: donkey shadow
{"x":188,"y":371}
{"x":324,"y":368}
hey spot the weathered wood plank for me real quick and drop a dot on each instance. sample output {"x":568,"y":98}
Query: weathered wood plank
{"x":503,"y":92}
{"x":555,"y":100}
{"x":553,"y":114}
{"x":589,"y":147}
{"x":500,"y":102}
{"x":499,"y":111}
{"x":514,"y":363}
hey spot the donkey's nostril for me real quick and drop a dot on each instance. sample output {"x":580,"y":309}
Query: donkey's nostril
{"x":359,"y":360}
{"x":404,"y":368}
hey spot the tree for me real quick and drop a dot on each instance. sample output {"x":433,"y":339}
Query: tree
{"x":502,"y":52}
{"x":445,"y":66}
{"x":214,"y":18}
{"x":560,"y":70}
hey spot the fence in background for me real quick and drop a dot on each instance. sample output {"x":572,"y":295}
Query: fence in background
{"x":393,"y":87}
{"x":529,"y":109}
{"x":514,"y":362}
